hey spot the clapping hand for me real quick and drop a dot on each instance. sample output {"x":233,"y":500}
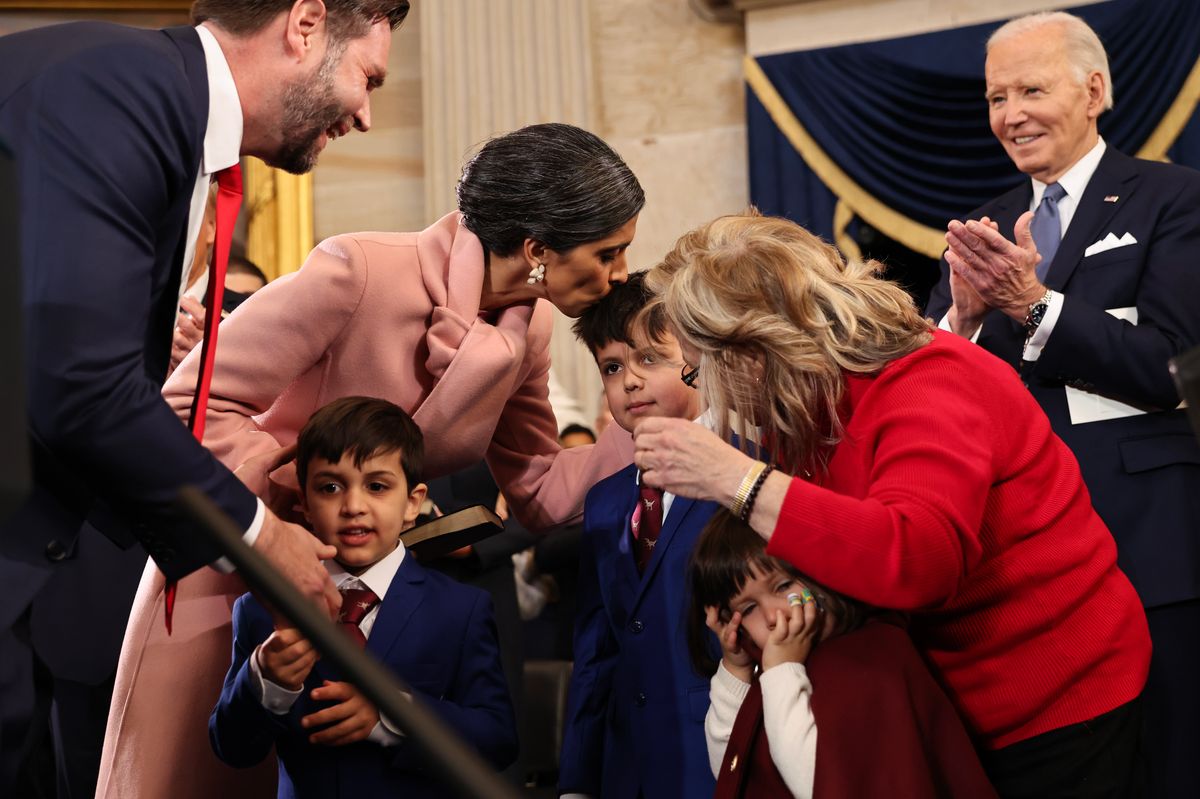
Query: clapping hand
{"x":1001,"y":273}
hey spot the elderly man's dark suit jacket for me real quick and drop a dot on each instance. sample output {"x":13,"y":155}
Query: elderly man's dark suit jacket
{"x":1143,"y":471}
{"x":106,"y":124}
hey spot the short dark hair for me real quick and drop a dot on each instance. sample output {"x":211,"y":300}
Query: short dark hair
{"x":575,"y":428}
{"x":725,"y":556}
{"x":361,"y":427}
{"x":241,"y":265}
{"x":553,"y":183}
{"x":628,"y":308}
{"x":345,"y":19}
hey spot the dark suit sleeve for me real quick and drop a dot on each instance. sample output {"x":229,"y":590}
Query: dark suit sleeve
{"x":1128,"y":361}
{"x":582,"y":757}
{"x":240,"y":729}
{"x":105,"y":156}
{"x":478,"y":706}
{"x":939,"y":299}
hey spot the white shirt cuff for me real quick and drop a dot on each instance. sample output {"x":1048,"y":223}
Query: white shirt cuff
{"x":223,"y":565}
{"x":384,"y":735}
{"x":1033,"y":347}
{"x":274,"y":697}
{"x":945,"y":325}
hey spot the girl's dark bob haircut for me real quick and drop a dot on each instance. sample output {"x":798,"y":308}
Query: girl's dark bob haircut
{"x":727,"y":554}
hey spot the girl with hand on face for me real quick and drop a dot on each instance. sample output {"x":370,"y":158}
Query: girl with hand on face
{"x":814,"y":695}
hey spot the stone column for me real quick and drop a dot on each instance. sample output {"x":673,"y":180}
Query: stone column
{"x":489,"y":67}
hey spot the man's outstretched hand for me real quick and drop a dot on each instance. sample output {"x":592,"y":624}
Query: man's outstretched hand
{"x":297,"y":554}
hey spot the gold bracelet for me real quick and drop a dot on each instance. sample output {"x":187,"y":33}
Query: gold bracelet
{"x":743,"y":492}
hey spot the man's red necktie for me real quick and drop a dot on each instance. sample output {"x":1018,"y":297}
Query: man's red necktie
{"x":356,"y":604}
{"x":647,"y":524}
{"x":229,"y":200}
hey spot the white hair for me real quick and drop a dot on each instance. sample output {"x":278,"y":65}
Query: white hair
{"x":1084,"y":51}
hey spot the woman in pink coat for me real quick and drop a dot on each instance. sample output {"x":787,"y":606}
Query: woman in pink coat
{"x":452,"y":324}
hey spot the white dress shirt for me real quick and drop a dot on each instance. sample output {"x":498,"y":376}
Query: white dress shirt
{"x":378,"y":578}
{"x":222,"y":149}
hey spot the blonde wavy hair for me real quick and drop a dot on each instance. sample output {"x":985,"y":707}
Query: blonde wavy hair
{"x":779,"y":320}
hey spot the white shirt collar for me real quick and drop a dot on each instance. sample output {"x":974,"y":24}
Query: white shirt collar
{"x":378,"y":578}
{"x":223,"y":137}
{"x":1075,"y":179}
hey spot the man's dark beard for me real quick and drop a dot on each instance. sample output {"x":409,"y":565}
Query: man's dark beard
{"x":310,"y":108}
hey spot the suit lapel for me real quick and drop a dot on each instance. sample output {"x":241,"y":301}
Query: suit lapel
{"x":403,"y":598}
{"x":625,"y":567}
{"x":1114,"y":176}
{"x":609,"y":511}
{"x":165,"y":311}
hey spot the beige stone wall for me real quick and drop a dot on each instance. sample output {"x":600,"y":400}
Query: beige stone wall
{"x":826,"y":23}
{"x":375,"y":181}
{"x":668,"y":96}
{"x":670,"y":99}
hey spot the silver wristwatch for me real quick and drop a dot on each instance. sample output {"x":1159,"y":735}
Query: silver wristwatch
{"x":1037,"y":312}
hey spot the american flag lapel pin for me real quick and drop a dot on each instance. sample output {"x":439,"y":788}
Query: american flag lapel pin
{"x":1111,"y":198}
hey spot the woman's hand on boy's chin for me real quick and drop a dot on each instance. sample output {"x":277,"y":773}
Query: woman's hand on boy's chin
{"x":737,"y":660}
{"x":689,"y":460}
{"x":791,"y":639}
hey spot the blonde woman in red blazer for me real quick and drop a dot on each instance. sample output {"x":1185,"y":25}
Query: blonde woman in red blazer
{"x":452,"y":324}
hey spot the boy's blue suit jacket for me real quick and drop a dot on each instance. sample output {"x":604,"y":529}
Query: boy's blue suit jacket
{"x":437,"y":635}
{"x":635,"y":716}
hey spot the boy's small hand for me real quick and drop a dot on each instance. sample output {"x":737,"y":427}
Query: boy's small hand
{"x":351,"y":719}
{"x":286,"y":658}
{"x":792,"y":637}
{"x":737,"y":660}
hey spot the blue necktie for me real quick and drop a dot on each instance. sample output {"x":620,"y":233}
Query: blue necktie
{"x":1047,"y":227}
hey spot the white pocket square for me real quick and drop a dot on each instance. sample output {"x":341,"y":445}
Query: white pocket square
{"x":1110,"y":242}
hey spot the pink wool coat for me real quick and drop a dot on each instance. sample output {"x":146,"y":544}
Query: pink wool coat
{"x":392,"y":315}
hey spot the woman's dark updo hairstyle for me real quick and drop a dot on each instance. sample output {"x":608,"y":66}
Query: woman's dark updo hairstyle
{"x":554,"y":183}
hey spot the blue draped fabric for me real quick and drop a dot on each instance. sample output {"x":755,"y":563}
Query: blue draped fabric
{"x":906,"y":119}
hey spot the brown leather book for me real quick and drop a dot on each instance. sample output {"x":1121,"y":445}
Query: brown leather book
{"x":443,"y":535}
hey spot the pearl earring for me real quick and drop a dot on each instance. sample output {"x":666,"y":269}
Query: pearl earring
{"x":537,"y":274}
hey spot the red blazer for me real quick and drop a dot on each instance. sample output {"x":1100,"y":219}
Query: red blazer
{"x":884,"y":728}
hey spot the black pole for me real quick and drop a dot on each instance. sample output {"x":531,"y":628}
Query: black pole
{"x":458,"y":766}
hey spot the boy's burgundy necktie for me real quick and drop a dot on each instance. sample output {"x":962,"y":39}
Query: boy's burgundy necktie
{"x":356,"y":604}
{"x":647,"y":524}
{"x":229,"y":200}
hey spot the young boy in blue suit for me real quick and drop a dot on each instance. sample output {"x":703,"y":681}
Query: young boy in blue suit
{"x":635,"y":716}
{"x":359,"y":464}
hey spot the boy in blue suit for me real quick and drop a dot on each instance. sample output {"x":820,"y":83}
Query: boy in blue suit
{"x":358,"y":461}
{"x":635,"y":716}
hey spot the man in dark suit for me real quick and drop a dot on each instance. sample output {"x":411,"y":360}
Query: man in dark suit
{"x":116,"y":134}
{"x":1096,"y":294}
